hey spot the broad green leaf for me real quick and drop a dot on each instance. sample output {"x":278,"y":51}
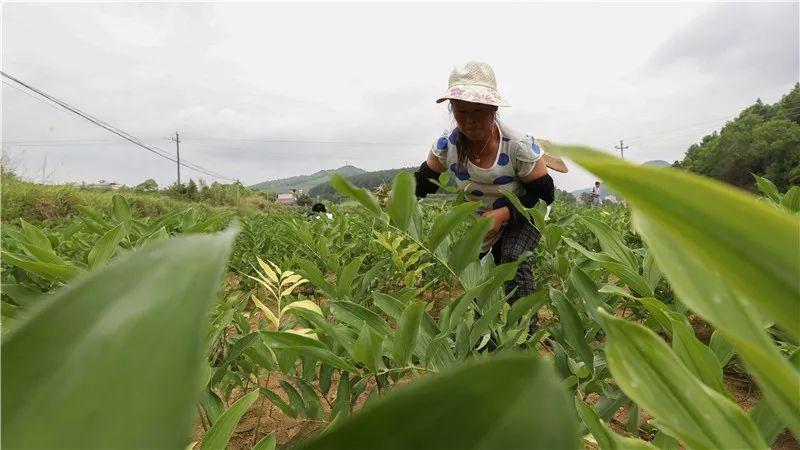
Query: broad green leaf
{"x":446,"y":222}
{"x":219,"y":433}
{"x":277,"y":401}
{"x":606,"y":438}
{"x":524,"y":304}
{"x":310,"y":271}
{"x":367,"y":349}
{"x":770,"y":423}
{"x":653,"y":376}
{"x":55,"y":272}
{"x":571,"y":326}
{"x":761,"y":266}
{"x":343,"y":393}
{"x":106,"y":246}
{"x":345,"y":279}
{"x":266,"y":443}
{"x":390,"y":306}
{"x":611,"y":242}
{"x":107,"y":337}
{"x":121,"y":210}
{"x":719,"y":267}
{"x":355,"y":314}
{"x":628,"y":276}
{"x":402,"y":201}
{"x":407,"y":333}
{"x":768,"y":188}
{"x":295,"y":399}
{"x":35,"y":236}
{"x":510,"y":390}
{"x":361,"y":195}
{"x":587,"y":289}
{"x":310,"y":398}
{"x":698,"y":358}
{"x":235,"y":351}
{"x":305,"y":346}
{"x":722,"y":349}
{"x":467,"y":248}
{"x":791,"y":200}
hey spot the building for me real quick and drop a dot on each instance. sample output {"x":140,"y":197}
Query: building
{"x":286,"y":199}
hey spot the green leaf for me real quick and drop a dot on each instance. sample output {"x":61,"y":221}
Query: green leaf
{"x":628,"y":276}
{"x":524,"y":304}
{"x":446,"y":222}
{"x":277,"y":401}
{"x":587,"y":290}
{"x":767,"y":420}
{"x":106,"y":246}
{"x":367,"y":349}
{"x":572,"y":327}
{"x":611,"y":243}
{"x":355,"y":314}
{"x":108,"y":337}
{"x":768,"y":188}
{"x":407,"y":333}
{"x":305,"y":346}
{"x":606,"y":438}
{"x":310,"y":271}
{"x":390,"y":306}
{"x":233,"y":353}
{"x":219,"y":433}
{"x":266,"y":443}
{"x":55,"y":272}
{"x":295,"y":398}
{"x":653,"y":376}
{"x":698,"y":358}
{"x":721,"y":268}
{"x":310,"y":398}
{"x":791,"y":200}
{"x":121,"y":210}
{"x":361,"y":195}
{"x":402,"y":201}
{"x":466,"y":249}
{"x":344,"y":281}
{"x":35,"y":236}
{"x":722,"y":349}
{"x":484,"y":404}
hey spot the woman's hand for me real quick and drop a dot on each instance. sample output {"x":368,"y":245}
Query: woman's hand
{"x":499,"y":218}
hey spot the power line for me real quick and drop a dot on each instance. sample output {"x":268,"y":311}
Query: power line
{"x":155,"y":150}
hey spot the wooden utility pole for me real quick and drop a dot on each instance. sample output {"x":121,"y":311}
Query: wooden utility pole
{"x":621,"y":149}
{"x":177,"y":141}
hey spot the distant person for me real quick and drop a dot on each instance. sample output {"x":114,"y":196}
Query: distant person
{"x":319,"y":208}
{"x":594,"y":197}
{"x":487,"y":157}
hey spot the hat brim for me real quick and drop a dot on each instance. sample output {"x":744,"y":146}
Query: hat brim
{"x":555,"y":163}
{"x":474,"y":93}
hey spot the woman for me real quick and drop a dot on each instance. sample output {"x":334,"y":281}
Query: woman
{"x":487,"y":157}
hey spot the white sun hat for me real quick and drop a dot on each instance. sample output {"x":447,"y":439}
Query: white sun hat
{"x":473,"y":82}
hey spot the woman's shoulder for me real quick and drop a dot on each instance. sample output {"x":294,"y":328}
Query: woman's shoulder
{"x":517,"y":139}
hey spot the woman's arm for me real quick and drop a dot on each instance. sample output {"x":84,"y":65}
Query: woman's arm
{"x":431,"y":168}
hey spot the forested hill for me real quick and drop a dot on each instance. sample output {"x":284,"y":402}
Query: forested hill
{"x":304,"y":182}
{"x":369,"y":180}
{"x":763,"y":140}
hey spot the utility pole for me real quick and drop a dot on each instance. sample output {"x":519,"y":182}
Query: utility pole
{"x":44,"y":167}
{"x":177,"y":141}
{"x":622,"y":149}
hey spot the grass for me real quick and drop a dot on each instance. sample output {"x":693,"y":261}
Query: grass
{"x":40,"y":203}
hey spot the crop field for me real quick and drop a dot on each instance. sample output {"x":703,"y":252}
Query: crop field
{"x":670,"y":321}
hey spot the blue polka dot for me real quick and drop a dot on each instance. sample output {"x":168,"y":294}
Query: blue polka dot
{"x":477,"y":193}
{"x":462,"y":176}
{"x":499,"y":203}
{"x":505,"y":139}
{"x":536,"y":150}
{"x":454,"y":136}
{"x":502,"y":159}
{"x":441,"y":144}
{"x":505,"y":179}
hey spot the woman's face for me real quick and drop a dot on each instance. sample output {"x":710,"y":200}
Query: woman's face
{"x":475,"y":120}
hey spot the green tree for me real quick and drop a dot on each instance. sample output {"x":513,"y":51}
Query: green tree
{"x":148,"y":185}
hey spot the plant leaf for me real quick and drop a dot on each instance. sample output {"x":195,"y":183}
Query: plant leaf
{"x":219,"y":433}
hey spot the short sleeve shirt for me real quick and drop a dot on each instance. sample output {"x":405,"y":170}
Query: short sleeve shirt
{"x":516,"y":156}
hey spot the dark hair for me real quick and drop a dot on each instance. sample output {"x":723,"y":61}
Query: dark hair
{"x":319,"y":207}
{"x":596,"y":182}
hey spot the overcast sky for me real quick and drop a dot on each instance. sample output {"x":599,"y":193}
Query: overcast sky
{"x":264,"y":91}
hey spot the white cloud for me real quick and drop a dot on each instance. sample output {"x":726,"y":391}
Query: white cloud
{"x":241,"y":73}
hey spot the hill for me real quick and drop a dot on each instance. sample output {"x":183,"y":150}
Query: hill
{"x":763,"y":140}
{"x":657,"y":163}
{"x":305,"y":182}
{"x":368,"y":180}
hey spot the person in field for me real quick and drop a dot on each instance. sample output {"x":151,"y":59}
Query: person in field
{"x":488,"y":157}
{"x":594,"y":197}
